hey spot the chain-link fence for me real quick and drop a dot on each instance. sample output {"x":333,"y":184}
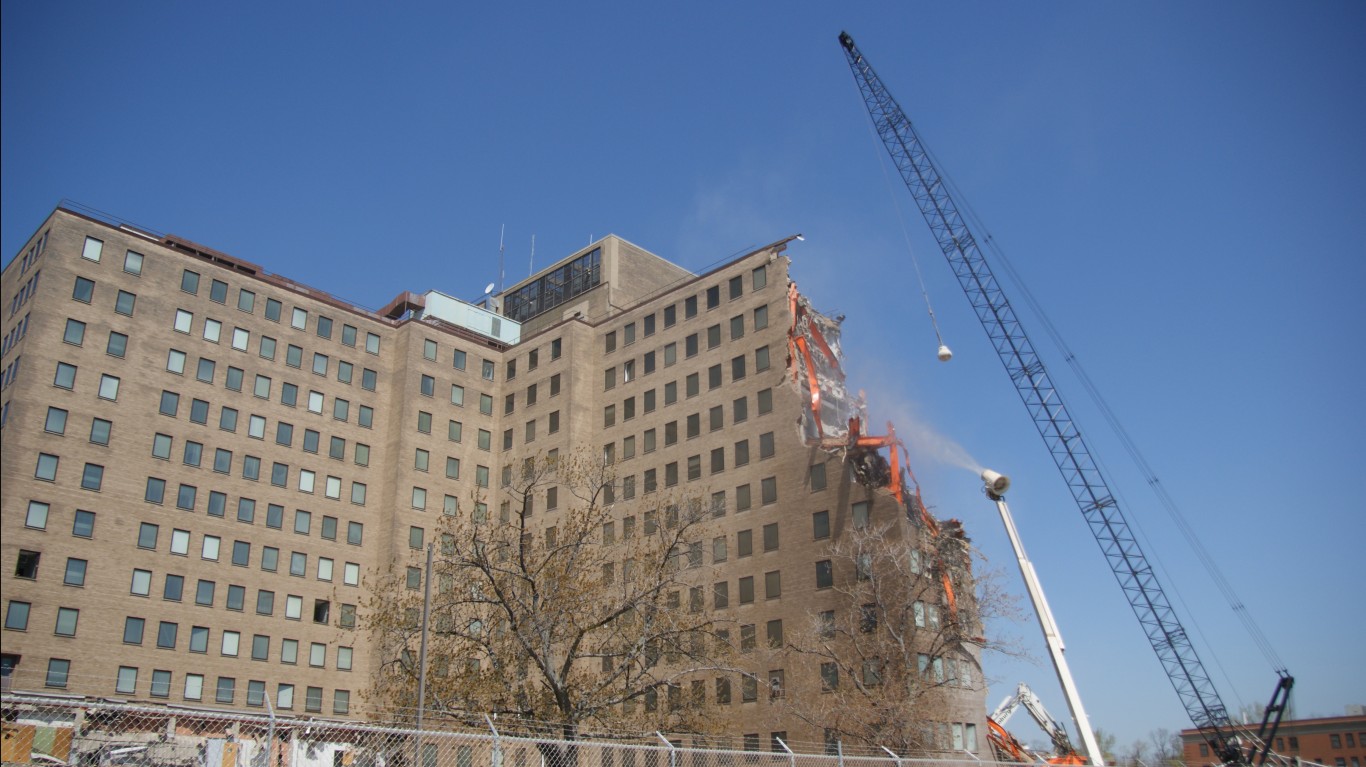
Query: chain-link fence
{"x":92,"y":733}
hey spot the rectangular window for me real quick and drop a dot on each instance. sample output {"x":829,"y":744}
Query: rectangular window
{"x":58,"y":670}
{"x":75,"y":332}
{"x":117,"y":345}
{"x":747,"y":590}
{"x":860,"y":515}
{"x":109,"y":387}
{"x":67,"y":620}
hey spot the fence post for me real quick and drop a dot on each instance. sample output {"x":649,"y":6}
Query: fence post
{"x":673,"y":752}
{"x":270,"y":733}
{"x":839,"y":751}
{"x":895,"y":758}
{"x":495,"y":758}
{"x":422,"y":657}
{"x":791,"y":757}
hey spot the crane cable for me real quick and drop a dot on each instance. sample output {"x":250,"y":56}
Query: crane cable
{"x":1131,"y":447}
{"x":906,"y":235}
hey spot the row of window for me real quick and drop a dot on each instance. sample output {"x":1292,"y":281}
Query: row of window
{"x":256,"y":428}
{"x":289,"y":396}
{"x":34,"y":252}
{"x":692,"y":388}
{"x":65,"y":378}
{"x":307,"y":479}
{"x":533,"y":358}
{"x":11,"y":373}
{"x":267,"y":348}
{"x":211,"y":549}
{"x":487,"y":367}
{"x":15,"y":335}
{"x":225,"y":689}
{"x":323,"y":326}
{"x":629,"y":371}
{"x":26,"y":292}
{"x":427,"y":388}
{"x":734,"y":290}
{"x":218,"y":290}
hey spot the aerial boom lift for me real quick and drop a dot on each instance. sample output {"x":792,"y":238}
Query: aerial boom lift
{"x":996,"y":486}
{"x":1098,"y":504}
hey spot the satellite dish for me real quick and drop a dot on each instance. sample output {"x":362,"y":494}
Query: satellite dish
{"x":488,"y":289}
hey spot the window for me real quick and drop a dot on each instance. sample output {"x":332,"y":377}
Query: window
{"x":65,"y":377}
{"x":109,"y":387}
{"x":67,"y":618}
{"x":771,"y":537}
{"x":26,"y":566}
{"x":773,"y":584}
{"x":57,"y":671}
{"x":117,"y":345}
{"x":747,"y":590}
{"x":125,"y":302}
{"x":863,"y":567}
{"x":775,"y":633}
{"x":74,"y":333}
{"x":56,"y":421}
{"x":166,"y":635}
{"x":36,"y":517}
{"x":132,"y":263}
{"x":133,"y":630}
{"x":16,"y":615}
{"x":199,"y":639}
{"x":860,"y":515}
{"x":820,"y":525}
{"x":768,"y":488}
{"x":83,"y":290}
{"x":226,"y":689}
{"x":92,"y":477}
{"x":142,"y":583}
{"x":75,"y":572}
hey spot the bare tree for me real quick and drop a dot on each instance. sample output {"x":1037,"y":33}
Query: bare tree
{"x":1107,"y":742}
{"x":895,"y":662}
{"x":1136,"y":753}
{"x":1166,"y":747}
{"x":567,"y":616}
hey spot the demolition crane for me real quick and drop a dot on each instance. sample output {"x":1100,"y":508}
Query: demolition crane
{"x":1074,"y":459}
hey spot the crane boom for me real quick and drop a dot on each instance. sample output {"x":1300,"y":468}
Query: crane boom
{"x":1098,"y":505}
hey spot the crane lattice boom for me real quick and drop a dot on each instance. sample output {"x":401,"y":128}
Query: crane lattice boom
{"x":1065,"y":443}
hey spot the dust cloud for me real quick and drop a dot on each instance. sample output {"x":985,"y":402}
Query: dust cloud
{"x":922,"y":439}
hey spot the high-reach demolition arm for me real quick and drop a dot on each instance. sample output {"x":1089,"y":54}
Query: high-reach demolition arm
{"x":1098,"y":505}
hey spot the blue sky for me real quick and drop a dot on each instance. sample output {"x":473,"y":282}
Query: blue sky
{"x":1181,"y":185}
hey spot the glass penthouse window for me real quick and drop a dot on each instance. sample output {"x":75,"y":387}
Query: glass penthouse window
{"x":555,"y":287}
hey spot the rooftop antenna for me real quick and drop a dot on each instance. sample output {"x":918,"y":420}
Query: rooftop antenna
{"x":532,"y":264}
{"x":501,"y":230}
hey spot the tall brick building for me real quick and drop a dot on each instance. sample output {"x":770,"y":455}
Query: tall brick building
{"x":206,"y":463}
